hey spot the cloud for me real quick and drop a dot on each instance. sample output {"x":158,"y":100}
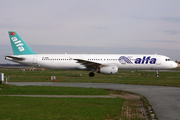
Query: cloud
{"x":172,"y":32}
{"x":171,"y":19}
{"x":160,"y":41}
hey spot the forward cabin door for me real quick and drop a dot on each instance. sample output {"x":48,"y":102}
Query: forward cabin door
{"x":158,"y":60}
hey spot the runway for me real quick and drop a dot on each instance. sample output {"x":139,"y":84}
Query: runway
{"x":164,"y":100}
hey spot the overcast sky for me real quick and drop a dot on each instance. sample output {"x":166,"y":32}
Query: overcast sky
{"x":92,"y":26}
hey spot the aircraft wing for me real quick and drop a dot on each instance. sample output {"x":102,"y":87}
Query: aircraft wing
{"x":88,"y":64}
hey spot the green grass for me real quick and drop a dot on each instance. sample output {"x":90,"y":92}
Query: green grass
{"x":123,"y":77}
{"x":21,"y":108}
{"x":71,"y":108}
{"x":49,"y":90}
{"x":35,"y":108}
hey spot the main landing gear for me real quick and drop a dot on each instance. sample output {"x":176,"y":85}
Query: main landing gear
{"x":91,"y":74}
{"x":157,"y":74}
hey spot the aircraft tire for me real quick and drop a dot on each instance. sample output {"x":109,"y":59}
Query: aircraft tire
{"x":91,"y":74}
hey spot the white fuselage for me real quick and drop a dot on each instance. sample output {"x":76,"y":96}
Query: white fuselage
{"x":83,"y":61}
{"x":102,"y":63}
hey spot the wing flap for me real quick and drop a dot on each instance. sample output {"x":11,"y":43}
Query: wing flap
{"x":88,"y":64}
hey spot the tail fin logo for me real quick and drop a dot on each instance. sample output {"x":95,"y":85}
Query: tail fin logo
{"x":124,"y":60}
{"x":12,"y":33}
{"x":17,"y":42}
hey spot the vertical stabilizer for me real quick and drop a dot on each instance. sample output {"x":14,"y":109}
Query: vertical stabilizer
{"x":19,"y":47}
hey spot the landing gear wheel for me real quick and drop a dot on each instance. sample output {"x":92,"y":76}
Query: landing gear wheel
{"x":157,"y":74}
{"x":91,"y":74}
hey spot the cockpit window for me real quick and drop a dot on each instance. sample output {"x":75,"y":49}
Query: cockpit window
{"x":167,"y":59}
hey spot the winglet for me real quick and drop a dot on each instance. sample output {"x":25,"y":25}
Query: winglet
{"x":19,"y":47}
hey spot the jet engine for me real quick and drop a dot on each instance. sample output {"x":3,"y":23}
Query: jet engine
{"x":108,"y":70}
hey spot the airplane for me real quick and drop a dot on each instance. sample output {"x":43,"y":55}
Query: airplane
{"x":101,"y":63}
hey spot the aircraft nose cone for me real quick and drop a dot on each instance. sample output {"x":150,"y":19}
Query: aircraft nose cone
{"x":178,"y":65}
{"x":174,"y":65}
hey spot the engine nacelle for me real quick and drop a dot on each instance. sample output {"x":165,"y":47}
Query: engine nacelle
{"x":108,"y":70}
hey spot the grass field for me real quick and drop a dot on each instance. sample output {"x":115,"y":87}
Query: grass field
{"x":57,"y":108}
{"x":49,"y":90}
{"x":23,"y":108}
{"x":72,"y":108}
{"x":167,"y":78}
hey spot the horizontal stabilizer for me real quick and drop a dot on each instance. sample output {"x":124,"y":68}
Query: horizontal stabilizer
{"x":14,"y":58}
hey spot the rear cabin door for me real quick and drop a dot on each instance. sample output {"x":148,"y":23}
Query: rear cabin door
{"x":34,"y":59}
